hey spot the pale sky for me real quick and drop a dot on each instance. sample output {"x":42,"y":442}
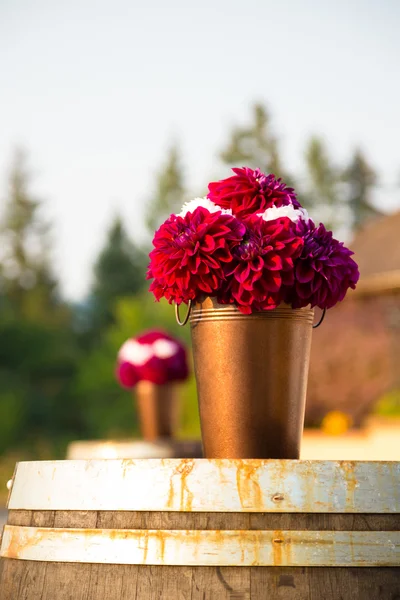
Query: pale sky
{"x":96,"y":90}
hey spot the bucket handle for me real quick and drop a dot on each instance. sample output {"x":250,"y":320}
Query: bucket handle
{"x":185,"y":320}
{"x":321,"y":319}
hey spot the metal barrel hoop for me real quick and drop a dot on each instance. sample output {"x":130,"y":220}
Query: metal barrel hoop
{"x":186,"y":319}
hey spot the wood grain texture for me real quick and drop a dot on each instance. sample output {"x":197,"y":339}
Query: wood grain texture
{"x":173,"y":520}
{"x":227,"y":583}
{"x":20,"y":579}
{"x":83,"y":582}
{"x":172,"y":582}
{"x":282,"y":583}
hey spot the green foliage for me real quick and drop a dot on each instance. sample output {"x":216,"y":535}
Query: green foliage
{"x":38,"y":349}
{"x":109,"y":410}
{"x":169,"y":194}
{"x":323,"y":193}
{"x":255,"y":145}
{"x":337,"y":195}
{"x":134,"y":316}
{"x":389,"y":404}
{"x":25,"y":270}
{"x":137,"y":314}
{"x":120,"y":270}
{"x":360,"y":178}
{"x":13,"y":416}
{"x":38,"y":364}
{"x":106,"y":408}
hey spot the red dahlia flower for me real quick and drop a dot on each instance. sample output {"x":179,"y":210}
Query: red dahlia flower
{"x":262,"y":263}
{"x":190,"y":253}
{"x":126,"y":374}
{"x":248,"y":192}
{"x":324,"y":270}
{"x":251,"y":244}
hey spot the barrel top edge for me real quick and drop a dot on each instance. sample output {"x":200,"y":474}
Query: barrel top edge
{"x":213,"y":461}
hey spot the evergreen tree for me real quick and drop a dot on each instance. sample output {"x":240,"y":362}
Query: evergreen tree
{"x":323,"y":193}
{"x":26,"y":278}
{"x":120,"y":270}
{"x":255,"y":145}
{"x":169,"y":194}
{"x":38,"y":351}
{"x":360,"y":178}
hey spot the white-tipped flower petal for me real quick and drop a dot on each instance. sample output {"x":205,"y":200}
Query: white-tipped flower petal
{"x":135,"y":353}
{"x":190,"y":207}
{"x":289,"y":211}
{"x":165,"y":348}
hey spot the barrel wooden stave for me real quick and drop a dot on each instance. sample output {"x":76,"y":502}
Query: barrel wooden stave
{"x":204,"y":520}
{"x":61,"y":581}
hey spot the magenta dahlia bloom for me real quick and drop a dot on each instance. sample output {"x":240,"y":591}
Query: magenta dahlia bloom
{"x":248,"y":192}
{"x":250,"y":244}
{"x":262,"y":263}
{"x":190,"y":253}
{"x":153,"y":356}
{"x":127,"y":374}
{"x":324,"y":270}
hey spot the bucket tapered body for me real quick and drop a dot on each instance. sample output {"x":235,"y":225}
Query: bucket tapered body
{"x":251,"y":373}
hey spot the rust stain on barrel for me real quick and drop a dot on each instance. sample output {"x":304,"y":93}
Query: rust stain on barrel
{"x":170,"y":501}
{"x":277,"y":542}
{"x":185,"y":468}
{"x":13,"y":548}
{"x":145,"y":547}
{"x":281,"y":548}
{"x":351,"y":481}
{"x":182,"y":471}
{"x":248,"y":485}
{"x":127,"y":464}
{"x":257,"y":548}
{"x":160,"y":536}
{"x":309,"y":498}
{"x":197,"y":540}
{"x":19,"y":543}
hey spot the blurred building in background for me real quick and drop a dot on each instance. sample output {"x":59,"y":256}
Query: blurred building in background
{"x":355,"y":362}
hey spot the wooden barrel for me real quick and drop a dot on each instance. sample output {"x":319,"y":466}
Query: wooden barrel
{"x":202,"y":530}
{"x":163,"y":448}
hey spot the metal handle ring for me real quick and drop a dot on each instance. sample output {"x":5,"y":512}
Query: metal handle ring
{"x":321,"y":319}
{"x":186,"y":319}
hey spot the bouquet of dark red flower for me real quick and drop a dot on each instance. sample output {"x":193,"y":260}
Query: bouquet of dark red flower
{"x":153,"y":356}
{"x":251,"y":244}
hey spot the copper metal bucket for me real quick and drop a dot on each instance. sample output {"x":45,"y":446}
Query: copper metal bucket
{"x":158,"y":407}
{"x":251,"y":373}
